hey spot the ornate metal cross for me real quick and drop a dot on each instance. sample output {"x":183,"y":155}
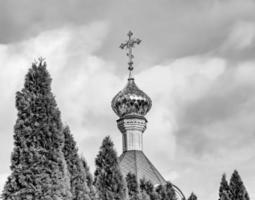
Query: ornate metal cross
{"x":129,"y":44}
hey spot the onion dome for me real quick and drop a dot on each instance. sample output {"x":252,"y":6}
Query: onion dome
{"x":131,"y":101}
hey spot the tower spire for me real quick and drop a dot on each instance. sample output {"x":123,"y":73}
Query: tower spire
{"x":129,"y":45}
{"x":131,"y":105}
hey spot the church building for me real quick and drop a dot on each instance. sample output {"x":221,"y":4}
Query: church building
{"x":131,"y":105}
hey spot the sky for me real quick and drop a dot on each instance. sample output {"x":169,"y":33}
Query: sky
{"x":196,"y":62}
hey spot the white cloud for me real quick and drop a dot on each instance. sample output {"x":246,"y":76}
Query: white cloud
{"x":244,"y":73}
{"x":72,"y":65}
{"x":84,"y":85}
{"x":216,"y":92}
{"x":172,"y":176}
{"x":3,"y":178}
{"x":241,"y":36}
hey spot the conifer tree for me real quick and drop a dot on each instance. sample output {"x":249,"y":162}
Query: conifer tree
{"x":147,"y":187}
{"x":166,"y":192}
{"x":108,"y":178}
{"x":237,"y":188}
{"x":224,"y":191}
{"x":161,"y":192}
{"x":170,"y":192}
{"x":132,"y":186}
{"x":89,"y":178}
{"x":38,"y":167}
{"x":78,"y":182}
{"x":144,"y":196}
{"x":192,"y":196}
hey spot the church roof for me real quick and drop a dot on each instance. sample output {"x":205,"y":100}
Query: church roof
{"x":137,"y":163}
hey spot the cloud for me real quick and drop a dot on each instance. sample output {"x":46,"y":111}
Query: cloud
{"x":225,"y":105}
{"x":202,"y":119}
{"x":69,"y":55}
{"x":196,"y":63}
{"x":242,"y":36}
{"x":23,"y":20}
{"x":180,"y":28}
{"x":3,"y":178}
{"x":240,"y":42}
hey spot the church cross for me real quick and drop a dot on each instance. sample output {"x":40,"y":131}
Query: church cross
{"x":130,"y":44}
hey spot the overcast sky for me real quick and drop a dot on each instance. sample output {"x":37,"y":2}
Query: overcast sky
{"x":196,"y":62}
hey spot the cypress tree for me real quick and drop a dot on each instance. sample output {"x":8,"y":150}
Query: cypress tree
{"x":78,"y":183}
{"x":88,"y":178}
{"x":224,"y":191}
{"x":192,"y":196}
{"x":144,"y":196}
{"x":166,"y":192}
{"x":170,"y":192}
{"x":147,"y":187}
{"x":88,"y":175}
{"x":37,"y":162}
{"x":108,"y":178}
{"x":132,"y":186}
{"x":237,"y":188}
{"x":161,"y":192}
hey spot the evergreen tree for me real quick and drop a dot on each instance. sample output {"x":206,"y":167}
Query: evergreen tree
{"x":166,"y":192}
{"x":170,"y":192}
{"x":161,"y":192}
{"x":78,"y":183}
{"x":89,"y":178}
{"x":146,"y":185}
{"x":192,"y":196}
{"x":148,"y":188}
{"x":237,"y":188}
{"x":108,"y":178}
{"x":37,"y":163}
{"x":132,"y":186}
{"x":224,"y":191}
{"x":144,"y":196}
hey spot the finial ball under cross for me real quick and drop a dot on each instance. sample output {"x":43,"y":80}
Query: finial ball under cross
{"x":129,"y":44}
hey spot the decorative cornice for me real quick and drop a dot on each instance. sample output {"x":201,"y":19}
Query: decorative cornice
{"x":132,"y":124}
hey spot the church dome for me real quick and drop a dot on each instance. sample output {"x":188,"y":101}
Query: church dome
{"x":131,"y":101}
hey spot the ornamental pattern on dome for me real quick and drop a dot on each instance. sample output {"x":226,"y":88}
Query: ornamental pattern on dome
{"x":131,"y":101}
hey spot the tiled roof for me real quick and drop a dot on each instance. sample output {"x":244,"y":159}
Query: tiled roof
{"x":137,"y":163}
